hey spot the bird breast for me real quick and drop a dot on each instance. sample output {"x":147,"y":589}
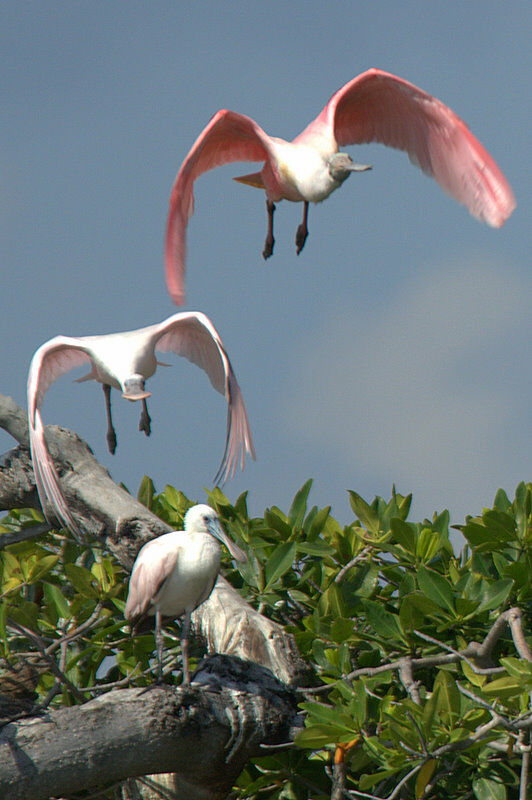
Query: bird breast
{"x":118,"y":356}
{"x":303,"y":173}
{"x":193,"y":577}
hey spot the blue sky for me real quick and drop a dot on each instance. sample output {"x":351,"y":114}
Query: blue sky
{"x":395,"y":348}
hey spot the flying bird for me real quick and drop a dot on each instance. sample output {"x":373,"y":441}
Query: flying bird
{"x":125,"y":361}
{"x":373,"y":107}
{"x":175,"y":573}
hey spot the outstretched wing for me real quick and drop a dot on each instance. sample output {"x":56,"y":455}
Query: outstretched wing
{"x":228,"y":137}
{"x":380,"y":107}
{"x":191,"y":334}
{"x":51,"y":360}
{"x":155,"y":562}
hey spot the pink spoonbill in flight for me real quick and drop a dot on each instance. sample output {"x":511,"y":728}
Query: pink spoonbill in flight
{"x":373,"y":107}
{"x":125,"y":361}
{"x":175,"y":573}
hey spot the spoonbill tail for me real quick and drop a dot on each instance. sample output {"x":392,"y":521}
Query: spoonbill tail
{"x":125,"y":361}
{"x":373,"y":107}
{"x":175,"y":573}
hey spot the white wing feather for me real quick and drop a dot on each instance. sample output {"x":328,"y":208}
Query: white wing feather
{"x":51,"y":360}
{"x":191,"y":334}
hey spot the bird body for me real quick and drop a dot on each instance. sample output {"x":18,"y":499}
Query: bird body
{"x":176,"y":572}
{"x":376,"y":106}
{"x":183,"y":564}
{"x":117,"y":357}
{"x":125,"y":361}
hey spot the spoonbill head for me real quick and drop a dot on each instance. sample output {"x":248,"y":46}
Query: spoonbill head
{"x":134,"y":388}
{"x":376,"y":106}
{"x":175,"y":573}
{"x":125,"y":361}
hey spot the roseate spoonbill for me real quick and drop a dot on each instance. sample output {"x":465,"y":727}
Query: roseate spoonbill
{"x":175,"y":573}
{"x":125,"y":361}
{"x":373,"y":107}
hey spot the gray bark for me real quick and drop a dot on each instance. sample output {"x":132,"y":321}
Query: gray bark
{"x":204,"y":734}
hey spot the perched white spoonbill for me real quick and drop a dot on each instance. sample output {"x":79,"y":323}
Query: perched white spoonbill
{"x":125,"y":361}
{"x":373,"y":107}
{"x":175,"y":573}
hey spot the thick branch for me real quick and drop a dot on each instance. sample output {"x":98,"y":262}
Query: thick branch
{"x":205,"y":733}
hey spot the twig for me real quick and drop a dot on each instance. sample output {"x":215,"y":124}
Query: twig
{"x":462,"y":655}
{"x":51,"y":661}
{"x":525,"y":768}
{"x":355,"y":560}
{"x":406,"y":676}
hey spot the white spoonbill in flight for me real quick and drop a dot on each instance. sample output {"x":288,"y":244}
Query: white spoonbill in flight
{"x":175,"y":573}
{"x":125,"y":361}
{"x":373,"y":107}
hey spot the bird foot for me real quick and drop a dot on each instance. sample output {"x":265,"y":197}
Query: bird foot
{"x":111,"y":441}
{"x":301,"y":238}
{"x":145,"y":423}
{"x":268,"y":247}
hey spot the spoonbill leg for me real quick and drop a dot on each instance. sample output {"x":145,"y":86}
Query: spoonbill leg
{"x":145,"y":419}
{"x":268,"y":244}
{"x":302,"y":231}
{"x":111,"y":435}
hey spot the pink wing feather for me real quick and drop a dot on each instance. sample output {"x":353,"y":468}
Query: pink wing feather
{"x":148,"y":577}
{"x":380,"y":107}
{"x":228,"y":137}
{"x":191,"y":334}
{"x":50,"y":361}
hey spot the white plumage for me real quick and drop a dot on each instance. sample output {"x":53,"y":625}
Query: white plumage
{"x":125,"y":361}
{"x":175,"y":573}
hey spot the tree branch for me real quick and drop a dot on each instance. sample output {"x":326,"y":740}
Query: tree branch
{"x":205,"y":733}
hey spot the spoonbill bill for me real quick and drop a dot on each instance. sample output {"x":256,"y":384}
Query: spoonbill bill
{"x":175,"y":573}
{"x":125,"y":361}
{"x":373,"y":107}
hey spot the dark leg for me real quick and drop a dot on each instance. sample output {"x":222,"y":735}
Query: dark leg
{"x":268,"y":244}
{"x":111,"y":435}
{"x":145,"y":419}
{"x":159,"y":646}
{"x":184,"y":648}
{"x":302,"y":231}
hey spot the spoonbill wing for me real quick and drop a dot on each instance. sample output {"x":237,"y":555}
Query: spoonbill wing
{"x":228,"y":137}
{"x":155,"y":562}
{"x":191,"y":334}
{"x":50,"y":361}
{"x":379,"y":107}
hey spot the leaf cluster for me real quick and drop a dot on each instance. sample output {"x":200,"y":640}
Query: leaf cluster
{"x":413,"y":694}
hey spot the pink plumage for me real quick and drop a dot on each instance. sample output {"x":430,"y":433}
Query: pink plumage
{"x":376,"y":106}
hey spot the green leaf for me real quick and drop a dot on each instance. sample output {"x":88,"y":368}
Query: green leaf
{"x":428,"y":544}
{"x":382,"y":622}
{"x":496,"y":594}
{"x":81,"y":579}
{"x":341,"y":629}
{"x":296,"y":515}
{"x":276,"y":523}
{"x":317,"y":736}
{"x":55,"y":597}
{"x":315,"y":548}
{"x":423,"y":777}
{"x":43,"y":566}
{"x":448,"y":697}
{"x":146,"y":492}
{"x":318,"y":523}
{"x":404,"y":533}
{"x":487,"y":789}
{"x":280,"y":562}
{"x":506,"y":687}
{"x":435,"y":587}
{"x":367,"y":515}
